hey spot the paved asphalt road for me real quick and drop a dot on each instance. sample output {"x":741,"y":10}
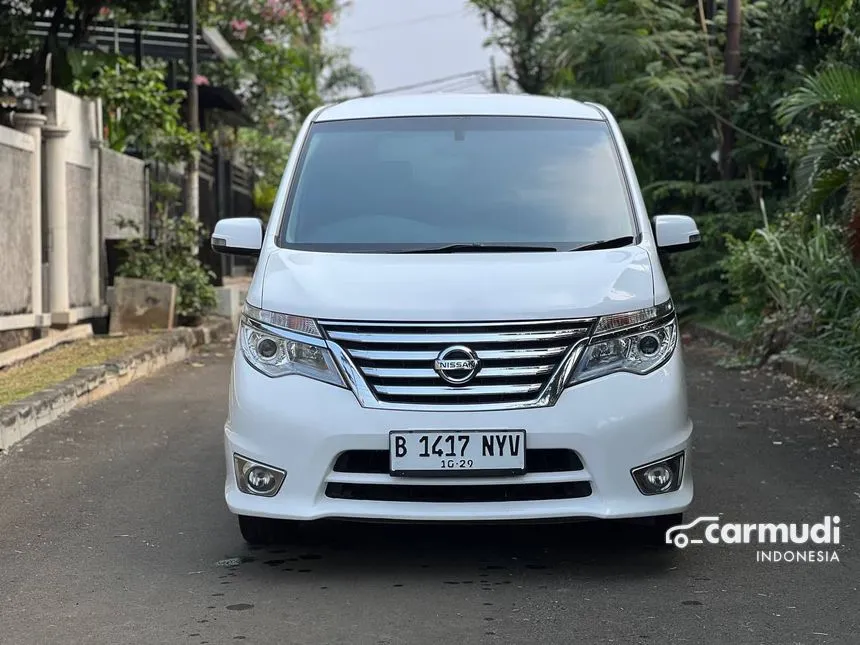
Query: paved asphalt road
{"x":113,"y":530}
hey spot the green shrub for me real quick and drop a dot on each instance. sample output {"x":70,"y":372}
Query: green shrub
{"x":800,"y":279}
{"x":171,"y":257}
{"x":697,"y":278}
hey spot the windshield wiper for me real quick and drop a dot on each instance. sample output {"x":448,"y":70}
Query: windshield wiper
{"x":485,"y":248}
{"x":614,"y":243}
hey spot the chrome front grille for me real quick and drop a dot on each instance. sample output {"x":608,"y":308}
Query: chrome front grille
{"x":396,"y":360}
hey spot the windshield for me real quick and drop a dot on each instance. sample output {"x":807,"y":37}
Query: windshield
{"x":415,"y":183}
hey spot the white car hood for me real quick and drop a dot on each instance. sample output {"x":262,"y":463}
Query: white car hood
{"x":455,"y":286}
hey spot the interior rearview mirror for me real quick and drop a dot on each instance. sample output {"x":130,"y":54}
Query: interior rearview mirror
{"x":676,"y":233}
{"x":238,"y":236}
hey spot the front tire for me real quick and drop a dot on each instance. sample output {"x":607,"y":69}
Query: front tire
{"x":261,"y":531}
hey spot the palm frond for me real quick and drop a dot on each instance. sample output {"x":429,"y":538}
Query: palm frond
{"x":835,"y":87}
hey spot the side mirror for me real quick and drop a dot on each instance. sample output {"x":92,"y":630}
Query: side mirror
{"x":238,"y":236}
{"x":676,"y":233}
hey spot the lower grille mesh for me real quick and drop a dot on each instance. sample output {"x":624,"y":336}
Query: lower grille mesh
{"x":538,"y":460}
{"x":458,"y":494}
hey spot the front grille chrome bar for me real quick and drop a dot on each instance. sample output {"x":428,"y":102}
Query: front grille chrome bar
{"x":489,"y":372}
{"x":483,"y":354}
{"x":521,"y":363}
{"x":458,"y":391}
{"x":464,"y":338}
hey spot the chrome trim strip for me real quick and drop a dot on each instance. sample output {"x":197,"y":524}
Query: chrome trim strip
{"x":456,"y":338}
{"x":584,"y":322}
{"x":483,"y":354}
{"x":486,"y":372}
{"x":475,"y":390}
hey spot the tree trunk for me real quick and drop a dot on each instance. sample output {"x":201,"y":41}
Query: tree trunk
{"x":854,"y":222}
{"x":732,"y":72}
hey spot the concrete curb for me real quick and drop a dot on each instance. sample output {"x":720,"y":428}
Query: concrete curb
{"x":53,"y":339}
{"x":802,"y":369}
{"x":89,"y":384}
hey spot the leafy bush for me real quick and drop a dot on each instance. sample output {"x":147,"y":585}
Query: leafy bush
{"x":141,"y":113}
{"x":264,"y":199}
{"x":698,"y":278}
{"x":171,"y":257}
{"x":801,"y":279}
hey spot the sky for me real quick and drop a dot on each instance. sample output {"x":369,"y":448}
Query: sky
{"x":404,"y":42}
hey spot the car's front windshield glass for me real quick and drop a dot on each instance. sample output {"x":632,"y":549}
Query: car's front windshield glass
{"x":421,"y":183}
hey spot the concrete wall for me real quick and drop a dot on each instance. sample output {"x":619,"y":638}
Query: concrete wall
{"x":51,"y":178}
{"x":79,"y":116}
{"x":123,"y":194}
{"x":16,"y":186}
{"x":80,"y":213}
{"x":81,"y":152}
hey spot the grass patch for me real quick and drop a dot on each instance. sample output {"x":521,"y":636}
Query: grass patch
{"x":735,"y":323}
{"x":56,"y":365}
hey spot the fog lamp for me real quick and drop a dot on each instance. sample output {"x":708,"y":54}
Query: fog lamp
{"x":257,"y":479}
{"x":262,"y":480}
{"x":659,"y":477}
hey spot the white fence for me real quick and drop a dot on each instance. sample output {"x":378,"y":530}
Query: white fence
{"x":57,"y":206}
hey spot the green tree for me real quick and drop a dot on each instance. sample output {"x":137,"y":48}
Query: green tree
{"x":283,"y":72}
{"x":522,"y":29}
{"x":141,"y":113}
{"x":828,"y":162}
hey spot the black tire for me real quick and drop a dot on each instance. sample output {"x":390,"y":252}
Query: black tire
{"x":662,"y":523}
{"x":261,"y":531}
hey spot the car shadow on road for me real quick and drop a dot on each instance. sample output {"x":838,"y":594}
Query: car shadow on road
{"x":487,"y":551}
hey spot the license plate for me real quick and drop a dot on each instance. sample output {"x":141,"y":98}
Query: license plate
{"x":467,"y":452}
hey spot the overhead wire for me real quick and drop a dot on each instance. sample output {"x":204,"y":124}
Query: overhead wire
{"x":460,"y":85}
{"x":402,"y":23}
{"x":430,"y":83}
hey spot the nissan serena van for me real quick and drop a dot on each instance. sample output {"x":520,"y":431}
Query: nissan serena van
{"x":458,"y":313}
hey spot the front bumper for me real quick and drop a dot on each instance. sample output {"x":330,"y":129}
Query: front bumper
{"x":614,"y":424}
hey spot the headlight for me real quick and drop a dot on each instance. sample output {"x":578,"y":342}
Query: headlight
{"x":296,"y":347}
{"x":637,"y":342}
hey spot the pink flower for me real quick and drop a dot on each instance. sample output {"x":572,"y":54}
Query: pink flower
{"x":201,"y":80}
{"x":240,"y":28}
{"x":327,"y":18}
{"x":104,"y":12}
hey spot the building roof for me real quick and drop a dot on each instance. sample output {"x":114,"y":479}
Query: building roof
{"x":459,"y":105}
{"x":156,"y":39}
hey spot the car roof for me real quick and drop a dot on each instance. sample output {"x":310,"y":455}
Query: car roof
{"x":459,"y":105}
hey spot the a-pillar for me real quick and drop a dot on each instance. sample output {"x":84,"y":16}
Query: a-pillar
{"x":58,"y":224}
{"x":31,"y":124}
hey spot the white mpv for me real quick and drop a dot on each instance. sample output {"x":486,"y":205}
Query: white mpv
{"x":458,"y":314}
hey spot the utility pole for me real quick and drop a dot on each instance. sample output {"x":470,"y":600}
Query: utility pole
{"x":733,"y":88}
{"x":494,"y":75}
{"x":193,"y":170}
